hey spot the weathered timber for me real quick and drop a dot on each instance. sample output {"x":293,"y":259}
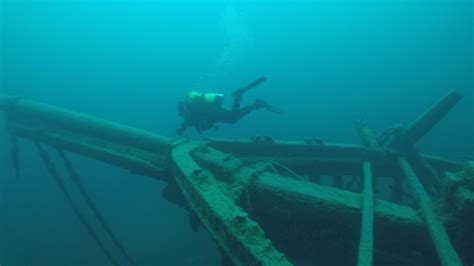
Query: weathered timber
{"x":328,"y":159}
{"x":137,"y":150}
{"x":283,"y":201}
{"x":366,"y":244}
{"x":429,"y":119}
{"x":458,"y":201}
{"x":367,"y":136}
{"x":339,"y":200}
{"x":370,"y":141}
{"x":464,"y":200}
{"x":445,"y":250}
{"x":235,"y":189}
{"x":241,"y":238}
{"x":425,"y":172}
{"x":43,"y":114}
{"x":315,"y":222}
{"x":458,"y":191}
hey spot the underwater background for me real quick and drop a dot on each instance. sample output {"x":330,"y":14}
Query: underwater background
{"x":327,"y":63}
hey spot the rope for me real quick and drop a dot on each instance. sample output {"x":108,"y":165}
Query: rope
{"x":390,"y":134}
{"x":53,"y":173}
{"x":286,"y":168}
{"x":90,"y":203}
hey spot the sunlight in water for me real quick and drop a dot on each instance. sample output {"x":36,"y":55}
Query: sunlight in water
{"x":238,"y":39}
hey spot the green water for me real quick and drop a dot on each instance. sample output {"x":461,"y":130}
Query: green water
{"x":327,"y":63}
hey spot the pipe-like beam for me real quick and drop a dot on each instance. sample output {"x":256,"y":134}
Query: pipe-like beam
{"x":22,"y":109}
{"x":367,"y":136}
{"x":339,"y":159}
{"x":241,"y":239}
{"x":431,"y":117}
{"x":301,"y":214}
{"x":446,"y":252}
{"x":138,"y":150}
{"x":366,"y":243}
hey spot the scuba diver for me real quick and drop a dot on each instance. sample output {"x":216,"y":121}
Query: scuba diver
{"x":203,"y":110}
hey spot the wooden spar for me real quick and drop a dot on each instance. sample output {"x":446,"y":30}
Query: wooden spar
{"x":430,"y":118}
{"x":446,"y":252}
{"x":45,"y":114}
{"x":367,"y":136}
{"x":299,"y":214}
{"x":331,"y":158}
{"x":366,"y":243}
{"x":214,"y":159}
{"x":217,"y":184}
{"x":276,"y":196}
{"x":370,"y":141}
{"x":149,"y":154}
{"x":137,"y":150}
{"x":241,"y":238}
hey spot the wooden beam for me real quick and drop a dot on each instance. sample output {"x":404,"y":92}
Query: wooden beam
{"x":367,"y":136}
{"x":340,"y":159}
{"x":445,"y":250}
{"x":139,"y":151}
{"x":366,"y":244}
{"x":296,"y":213}
{"x":423,"y":124}
{"x":241,"y":238}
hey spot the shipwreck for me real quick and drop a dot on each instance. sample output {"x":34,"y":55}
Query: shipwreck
{"x":271,"y":202}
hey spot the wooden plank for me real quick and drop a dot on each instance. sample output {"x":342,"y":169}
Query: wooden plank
{"x":366,"y":244}
{"x":241,"y":238}
{"x":34,"y":113}
{"x":423,"y":124}
{"x":300,"y":190}
{"x":139,"y":151}
{"x":136,"y":160}
{"x":445,"y":250}
{"x":296,"y":214}
{"x":285,"y":191}
{"x":367,"y":136}
{"x":299,"y":154}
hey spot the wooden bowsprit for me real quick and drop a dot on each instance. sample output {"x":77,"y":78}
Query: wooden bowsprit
{"x":268,"y":202}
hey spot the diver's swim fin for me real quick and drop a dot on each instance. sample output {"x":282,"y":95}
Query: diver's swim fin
{"x":274,"y":109}
{"x":253,"y":84}
{"x":263,"y":104}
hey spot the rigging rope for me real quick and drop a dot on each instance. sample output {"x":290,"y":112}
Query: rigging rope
{"x":53,"y":173}
{"x":286,"y":168}
{"x":90,"y":203}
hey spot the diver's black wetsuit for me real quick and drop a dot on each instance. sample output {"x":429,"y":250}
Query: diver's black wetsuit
{"x":205,"y":117}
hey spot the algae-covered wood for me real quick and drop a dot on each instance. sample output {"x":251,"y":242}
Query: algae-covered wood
{"x":259,"y":200}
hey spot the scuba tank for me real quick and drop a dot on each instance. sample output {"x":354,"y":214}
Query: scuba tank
{"x":205,"y":98}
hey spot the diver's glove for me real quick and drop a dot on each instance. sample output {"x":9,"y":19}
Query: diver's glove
{"x":263,"y":104}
